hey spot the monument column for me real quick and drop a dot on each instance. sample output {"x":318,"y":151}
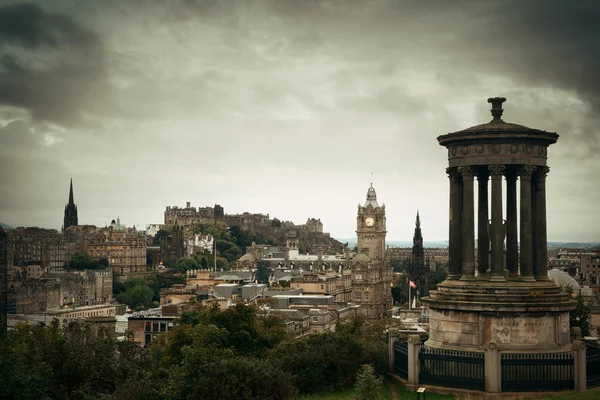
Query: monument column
{"x":526,"y":224}
{"x":483,"y":237}
{"x":512,"y":255}
{"x":468,"y":225}
{"x":455,"y":259}
{"x":497,"y":228}
{"x":540,"y":269}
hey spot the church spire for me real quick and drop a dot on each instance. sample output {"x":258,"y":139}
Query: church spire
{"x":70,"y":218}
{"x":418,"y":221}
{"x":71,"y":201}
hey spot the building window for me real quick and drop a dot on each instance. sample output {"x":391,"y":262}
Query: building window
{"x":322,"y":287}
{"x":315,"y":319}
{"x":148,"y":326}
{"x":163,"y":326}
{"x":154,"y":326}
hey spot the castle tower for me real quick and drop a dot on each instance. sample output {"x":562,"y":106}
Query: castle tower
{"x":70,"y":218}
{"x":371,"y":227}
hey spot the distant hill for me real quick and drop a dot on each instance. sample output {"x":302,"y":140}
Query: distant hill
{"x":6,"y":227}
{"x":552,"y":245}
{"x":574,"y":245}
{"x":397,"y":243}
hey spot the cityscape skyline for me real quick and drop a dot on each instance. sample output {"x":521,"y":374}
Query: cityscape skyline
{"x":285,"y":107}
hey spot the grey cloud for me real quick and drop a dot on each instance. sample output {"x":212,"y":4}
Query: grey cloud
{"x":50,"y":64}
{"x":29,"y":25}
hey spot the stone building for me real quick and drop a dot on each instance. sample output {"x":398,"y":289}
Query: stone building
{"x":46,"y":247}
{"x":432,"y":254}
{"x":124,"y":248}
{"x":371,"y":275}
{"x":190,"y":216}
{"x":58,"y":290}
{"x":152,"y":229}
{"x":3,"y":282}
{"x":314,"y":225}
{"x":146,"y":328}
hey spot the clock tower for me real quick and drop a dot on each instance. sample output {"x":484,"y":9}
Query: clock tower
{"x":370,"y":227}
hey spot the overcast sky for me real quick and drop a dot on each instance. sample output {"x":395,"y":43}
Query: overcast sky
{"x":286,"y":107}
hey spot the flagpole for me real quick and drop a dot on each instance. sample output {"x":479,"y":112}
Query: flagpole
{"x":409,"y":296}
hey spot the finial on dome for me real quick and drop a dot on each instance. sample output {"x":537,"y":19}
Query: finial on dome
{"x":497,"y":106}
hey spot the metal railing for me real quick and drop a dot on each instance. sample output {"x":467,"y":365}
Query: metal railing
{"x":537,"y":372}
{"x":449,"y":368}
{"x":592,"y":366}
{"x":401,"y":358}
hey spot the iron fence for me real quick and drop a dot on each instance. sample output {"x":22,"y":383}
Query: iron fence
{"x":592,"y":366}
{"x":401,"y":359}
{"x":450,"y":368}
{"x":537,"y":372}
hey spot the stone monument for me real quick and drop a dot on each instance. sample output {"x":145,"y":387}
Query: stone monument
{"x":502,"y":296}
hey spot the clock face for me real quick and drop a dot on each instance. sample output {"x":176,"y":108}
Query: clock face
{"x":369,"y":221}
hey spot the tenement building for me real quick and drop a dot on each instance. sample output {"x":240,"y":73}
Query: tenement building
{"x":44,"y":247}
{"x":124,"y":248}
{"x":371,"y":275}
{"x":504,"y":298}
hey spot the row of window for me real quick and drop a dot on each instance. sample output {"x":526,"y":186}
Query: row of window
{"x":158,"y":326}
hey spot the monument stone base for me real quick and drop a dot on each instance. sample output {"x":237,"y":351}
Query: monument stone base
{"x":519,"y":316}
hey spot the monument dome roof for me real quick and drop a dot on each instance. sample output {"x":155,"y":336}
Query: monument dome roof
{"x":500,"y":127}
{"x":562,"y":279}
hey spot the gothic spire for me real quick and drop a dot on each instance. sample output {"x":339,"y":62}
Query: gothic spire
{"x":71,"y":201}
{"x":417,"y":250}
{"x":70,"y":218}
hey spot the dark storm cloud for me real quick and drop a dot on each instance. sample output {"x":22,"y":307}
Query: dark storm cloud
{"x":29,"y":25}
{"x":49,"y":65}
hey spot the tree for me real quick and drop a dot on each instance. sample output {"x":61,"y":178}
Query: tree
{"x":161,"y":236}
{"x":81,"y":261}
{"x":399,"y":290}
{"x":276,"y":223}
{"x":368,"y":385}
{"x":184,"y":264}
{"x":580,"y":317}
{"x":203,"y":263}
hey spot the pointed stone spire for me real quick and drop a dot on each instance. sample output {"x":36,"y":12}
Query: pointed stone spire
{"x":71,"y":201}
{"x":70,"y":218}
{"x":417,"y":250}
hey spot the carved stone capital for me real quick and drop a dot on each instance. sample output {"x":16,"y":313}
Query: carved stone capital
{"x":527,"y":171}
{"x":466,"y":172}
{"x":496,"y":171}
{"x":541,"y":173}
{"x":453,"y":174}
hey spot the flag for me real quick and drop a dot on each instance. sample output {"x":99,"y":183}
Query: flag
{"x":413,"y":285}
